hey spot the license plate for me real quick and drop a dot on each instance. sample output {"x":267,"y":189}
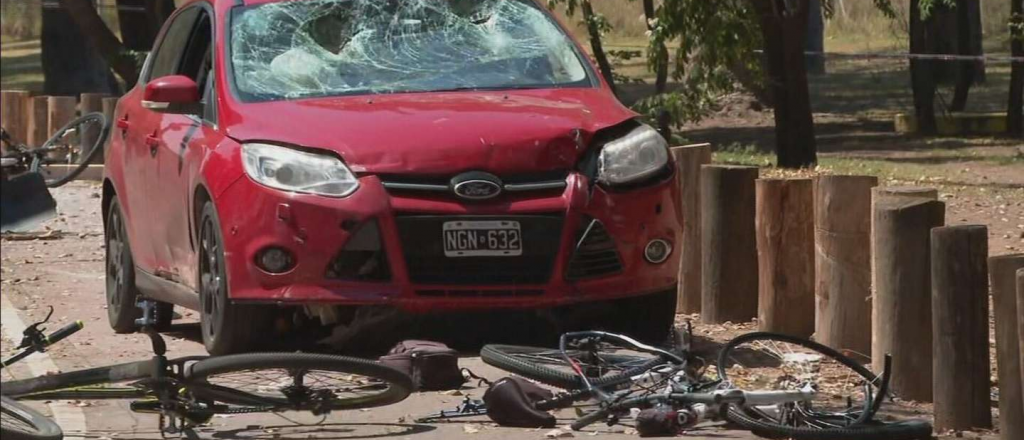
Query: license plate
{"x":496,"y":238}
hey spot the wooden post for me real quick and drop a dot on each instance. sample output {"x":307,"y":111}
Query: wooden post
{"x":109,"y":106}
{"x":1020,"y":322}
{"x":688,"y":162}
{"x":92,"y":102}
{"x":1002,"y":273}
{"x":901,"y":315}
{"x":60,"y":111}
{"x":14,"y":113}
{"x":38,"y":121}
{"x":785,"y":256}
{"x":842,"y":224}
{"x":729,"y":248}
{"x":960,"y":354}
{"x":911,"y":192}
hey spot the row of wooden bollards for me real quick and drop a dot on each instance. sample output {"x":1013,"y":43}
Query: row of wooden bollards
{"x":32,"y":119}
{"x":865,"y":269}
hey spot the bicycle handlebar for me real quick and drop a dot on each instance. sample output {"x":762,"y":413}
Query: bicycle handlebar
{"x":64,"y":332}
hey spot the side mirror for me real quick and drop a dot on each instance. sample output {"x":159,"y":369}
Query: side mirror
{"x":173,"y":94}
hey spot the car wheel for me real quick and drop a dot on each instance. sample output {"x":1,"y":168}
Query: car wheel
{"x":122,"y":295}
{"x":227,"y":328}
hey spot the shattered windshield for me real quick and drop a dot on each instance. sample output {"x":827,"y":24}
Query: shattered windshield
{"x":312,"y":48}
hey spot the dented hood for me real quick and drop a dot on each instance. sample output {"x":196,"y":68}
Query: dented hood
{"x":438,"y":133}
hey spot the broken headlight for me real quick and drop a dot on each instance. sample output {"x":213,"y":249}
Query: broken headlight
{"x":636,"y":156}
{"x":298,"y":171}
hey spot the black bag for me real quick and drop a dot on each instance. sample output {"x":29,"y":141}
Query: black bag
{"x":432,"y":365}
{"x":512,"y":401}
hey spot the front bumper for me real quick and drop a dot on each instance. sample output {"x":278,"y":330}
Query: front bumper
{"x":315,"y":229}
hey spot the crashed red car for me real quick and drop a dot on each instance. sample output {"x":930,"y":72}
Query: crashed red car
{"x":315,"y":156}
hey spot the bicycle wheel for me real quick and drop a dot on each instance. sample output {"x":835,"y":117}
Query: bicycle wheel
{"x":297,"y":381}
{"x":844,"y":398}
{"x":70,"y":150}
{"x":19,"y":422}
{"x":604,"y":368}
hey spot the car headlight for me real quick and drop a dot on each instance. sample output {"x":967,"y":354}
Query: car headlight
{"x":293,"y":170}
{"x":633,"y":157}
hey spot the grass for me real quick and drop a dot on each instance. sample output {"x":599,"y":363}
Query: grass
{"x":922,"y":168}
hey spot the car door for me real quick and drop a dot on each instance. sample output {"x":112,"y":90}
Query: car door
{"x":183,"y":141}
{"x":139,"y":128}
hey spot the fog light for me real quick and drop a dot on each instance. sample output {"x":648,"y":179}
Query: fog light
{"x":274,"y":259}
{"x":657,"y":251}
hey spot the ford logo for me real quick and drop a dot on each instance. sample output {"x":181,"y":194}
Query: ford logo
{"x":476,"y":186}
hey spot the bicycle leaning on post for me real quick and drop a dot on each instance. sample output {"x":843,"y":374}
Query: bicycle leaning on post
{"x":189,"y":391}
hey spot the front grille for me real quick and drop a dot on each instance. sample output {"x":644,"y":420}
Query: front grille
{"x":595,"y":254}
{"x":514,"y":183}
{"x":473,"y":293}
{"x":363,"y":258}
{"x":426,"y":262}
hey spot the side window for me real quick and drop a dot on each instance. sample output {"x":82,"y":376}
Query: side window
{"x":168,"y":53}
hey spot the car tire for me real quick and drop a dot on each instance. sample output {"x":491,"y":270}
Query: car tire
{"x":227,"y":328}
{"x":121,"y":293}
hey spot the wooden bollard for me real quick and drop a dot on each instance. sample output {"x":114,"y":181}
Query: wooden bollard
{"x":910,"y":192}
{"x":92,"y":102}
{"x":785,"y":256}
{"x":38,"y":121}
{"x":109,"y":105}
{"x":901,"y":317}
{"x":60,"y":111}
{"x":14,"y":113}
{"x":688,"y":162}
{"x":842,"y":224}
{"x":960,"y":354}
{"x":1020,"y":322}
{"x":729,"y":249}
{"x":1002,"y":275}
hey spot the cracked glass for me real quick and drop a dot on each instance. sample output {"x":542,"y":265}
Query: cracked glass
{"x":315,"y":48}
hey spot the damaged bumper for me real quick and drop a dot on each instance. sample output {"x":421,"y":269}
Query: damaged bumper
{"x":384,"y":245}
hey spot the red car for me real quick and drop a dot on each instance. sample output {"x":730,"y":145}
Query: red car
{"x":316,"y":156}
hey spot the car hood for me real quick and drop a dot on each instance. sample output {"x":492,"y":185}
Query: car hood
{"x":505,"y":132}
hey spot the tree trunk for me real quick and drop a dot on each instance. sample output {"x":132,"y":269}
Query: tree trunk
{"x":1015,"y":111}
{"x":595,"y":44}
{"x":109,"y":47}
{"x":922,"y":77}
{"x":966,"y":11}
{"x":71,"y":65}
{"x":785,"y":30}
{"x":815,"y":41}
{"x":661,"y":66}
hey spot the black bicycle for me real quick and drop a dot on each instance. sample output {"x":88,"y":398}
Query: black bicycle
{"x":773,"y":385}
{"x":189,"y":391}
{"x":62,"y":157}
